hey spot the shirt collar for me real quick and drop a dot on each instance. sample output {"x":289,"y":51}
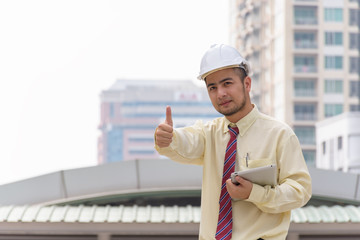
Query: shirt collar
{"x":243,"y":124}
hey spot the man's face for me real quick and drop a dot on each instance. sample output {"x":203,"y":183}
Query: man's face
{"x":228,"y":94}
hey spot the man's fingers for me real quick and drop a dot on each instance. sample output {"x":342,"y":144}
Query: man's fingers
{"x":163,"y":127}
{"x":168,"y":119}
{"x":164,"y":132}
{"x":241,"y":180}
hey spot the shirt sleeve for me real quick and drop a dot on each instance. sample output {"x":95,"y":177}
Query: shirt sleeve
{"x":187,"y":145}
{"x":294,"y":188}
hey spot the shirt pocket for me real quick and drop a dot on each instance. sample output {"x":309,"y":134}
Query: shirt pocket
{"x":254,"y":163}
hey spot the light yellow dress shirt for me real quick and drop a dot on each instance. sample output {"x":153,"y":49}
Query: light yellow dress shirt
{"x":266,"y":214}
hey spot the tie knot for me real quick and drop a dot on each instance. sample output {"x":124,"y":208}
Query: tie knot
{"x":234,"y":131}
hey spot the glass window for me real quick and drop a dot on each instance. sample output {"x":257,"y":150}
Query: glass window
{"x":304,"y":64}
{"x":340,"y":142}
{"x":333,"y":15}
{"x":333,"y":62}
{"x":305,"y":111}
{"x":306,"y":134}
{"x":112,"y":110}
{"x":354,"y":18}
{"x":304,"y":40}
{"x":323,"y":147}
{"x":354,"y":107}
{"x":333,"y":109}
{"x":333,"y":38}
{"x":142,"y":139}
{"x":305,"y":88}
{"x":354,"y":65}
{"x":305,"y":15}
{"x":114,"y":149}
{"x":141,"y":151}
{"x":333,"y":86}
{"x":309,"y":156}
{"x":354,"y":89}
{"x":354,"y":41}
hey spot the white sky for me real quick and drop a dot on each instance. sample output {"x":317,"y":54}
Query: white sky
{"x":56,"y":56}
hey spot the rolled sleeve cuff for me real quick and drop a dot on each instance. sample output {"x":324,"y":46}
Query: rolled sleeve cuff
{"x":256,"y":194}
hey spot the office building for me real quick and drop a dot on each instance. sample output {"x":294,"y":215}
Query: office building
{"x":132,"y":109}
{"x":305,"y":59}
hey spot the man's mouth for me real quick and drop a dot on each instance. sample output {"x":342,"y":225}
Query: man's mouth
{"x":224,"y":103}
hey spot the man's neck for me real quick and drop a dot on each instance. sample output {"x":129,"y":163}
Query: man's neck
{"x":241,"y":114}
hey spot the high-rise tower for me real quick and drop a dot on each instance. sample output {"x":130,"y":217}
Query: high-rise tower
{"x":305,"y":59}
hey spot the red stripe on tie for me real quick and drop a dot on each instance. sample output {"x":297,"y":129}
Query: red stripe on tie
{"x":224,"y":227}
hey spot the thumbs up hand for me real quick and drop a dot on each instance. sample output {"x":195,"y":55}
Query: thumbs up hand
{"x":164,"y":132}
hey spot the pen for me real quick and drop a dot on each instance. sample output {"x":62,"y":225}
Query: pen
{"x":247,"y":159}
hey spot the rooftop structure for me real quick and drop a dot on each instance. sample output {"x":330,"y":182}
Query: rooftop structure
{"x":151,"y":199}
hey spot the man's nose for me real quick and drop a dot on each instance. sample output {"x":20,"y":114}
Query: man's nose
{"x":221,"y":92}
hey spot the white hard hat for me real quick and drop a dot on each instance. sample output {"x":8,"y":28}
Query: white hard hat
{"x":221,"y":56}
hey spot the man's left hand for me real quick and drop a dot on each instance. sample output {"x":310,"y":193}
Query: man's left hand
{"x":241,"y":191}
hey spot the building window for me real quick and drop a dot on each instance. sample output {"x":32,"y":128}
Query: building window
{"x":333,"y":86}
{"x":340,"y":142}
{"x":323,"y":148}
{"x":354,"y":17}
{"x":305,"y":111}
{"x":333,"y":109}
{"x":354,"y":89}
{"x":333,"y":15}
{"x":354,"y":41}
{"x":305,"y":15}
{"x":141,"y":152}
{"x":305,"y":40}
{"x":306,"y":135}
{"x":304,"y":64}
{"x":333,"y":38}
{"x":354,"y":107}
{"x":333,"y":62}
{"x":354,"y":65}
{"x":309,"y":156}
{"x":141,"y":139}
{"x":305,"y":88}
{"x":112,"y":110}
{"x":114,"y":151}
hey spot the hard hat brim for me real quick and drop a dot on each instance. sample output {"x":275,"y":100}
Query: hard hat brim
{"x":203,"y":76}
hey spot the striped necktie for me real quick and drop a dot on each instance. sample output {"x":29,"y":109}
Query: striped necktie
{"x":224,"y":227}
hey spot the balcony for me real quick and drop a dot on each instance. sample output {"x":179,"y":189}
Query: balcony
{"x":305,"y":69}
{"x":305,"y":44}
{"x":305,"y":116}
{"x":305,"y":21}
{"x":305,"y":92}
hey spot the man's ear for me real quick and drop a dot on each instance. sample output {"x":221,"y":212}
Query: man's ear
{"x":247,"y":83}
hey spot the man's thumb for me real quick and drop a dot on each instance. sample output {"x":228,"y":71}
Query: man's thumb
{"x":168,"y":119}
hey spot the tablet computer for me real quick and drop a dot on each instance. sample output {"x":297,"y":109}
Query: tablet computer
{"x":262,"y":175}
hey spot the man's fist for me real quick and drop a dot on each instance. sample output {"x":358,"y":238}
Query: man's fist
{"x":164,"y":132}
{"x":241,"y":191}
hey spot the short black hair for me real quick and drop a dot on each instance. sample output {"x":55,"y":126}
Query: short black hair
{"x":241,"y":73}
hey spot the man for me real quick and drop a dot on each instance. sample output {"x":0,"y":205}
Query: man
{"x":244,"y":138}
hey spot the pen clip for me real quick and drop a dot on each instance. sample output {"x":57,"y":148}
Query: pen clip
{"x":247,"y":159}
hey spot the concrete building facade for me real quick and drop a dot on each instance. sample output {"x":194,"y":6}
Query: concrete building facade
{"x":305,"y":59}
{"x":338,"y":142}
